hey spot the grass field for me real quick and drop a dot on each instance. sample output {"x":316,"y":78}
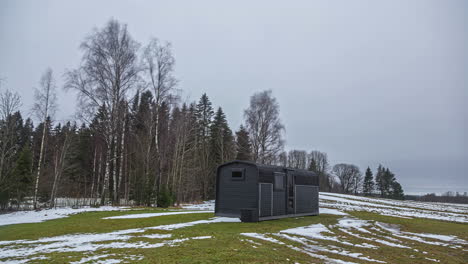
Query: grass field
{"x":365,"y":233}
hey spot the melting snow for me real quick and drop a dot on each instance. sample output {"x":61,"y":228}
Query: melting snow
{"x":22,"y":217}
{"x":312,"y":231}
{"x":209,"y":221}
{"x":207,"y":205}
{"x":345,"y":202}
{"x":262,"y":237}
{"x":146,"y":215}
{"x":331,"y":211}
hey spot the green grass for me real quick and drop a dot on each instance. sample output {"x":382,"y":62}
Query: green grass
{"x":227,"y":245}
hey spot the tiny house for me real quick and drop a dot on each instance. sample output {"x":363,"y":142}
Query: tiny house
{"x":255,"y":192}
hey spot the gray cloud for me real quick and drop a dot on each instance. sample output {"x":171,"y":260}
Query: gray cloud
{"x":364,"y":81}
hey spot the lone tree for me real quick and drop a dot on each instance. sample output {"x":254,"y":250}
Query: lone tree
{"x":244,"y":150}
{"x":368,"y":186}
{"x":264,"y":127}
{"x":44,"y":109}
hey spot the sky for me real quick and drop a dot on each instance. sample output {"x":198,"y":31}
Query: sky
{"x":367,"y":82}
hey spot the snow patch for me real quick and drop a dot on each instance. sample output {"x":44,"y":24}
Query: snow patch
{"x":262,"y":237}
{"x":406,"y":209}
{"x":206,"y":205}
{"x":331,"y":211}
{"x":312,"y":231}
{"x":146,"y":215}
{"x":23,"y":217}
{"x":188,"y":224}
{"x":157,"y":236}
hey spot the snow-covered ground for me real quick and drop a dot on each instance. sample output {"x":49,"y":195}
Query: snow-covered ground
{"x":405,"y":209}
{"x":322,"y":241}
{"x":20,"y":251}
{"x":146,"y":215}
{"x":206,"y":206}
{"x":315,"y":239}
{"x":23,"y":217}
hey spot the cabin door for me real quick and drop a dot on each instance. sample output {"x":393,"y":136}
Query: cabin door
{"x":290,"y":203}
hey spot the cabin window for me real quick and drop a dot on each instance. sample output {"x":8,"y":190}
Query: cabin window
{"x":279,"y":181}
{"x":237,"y":174}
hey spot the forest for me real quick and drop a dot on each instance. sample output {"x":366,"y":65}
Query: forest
{"x":133,"y":141}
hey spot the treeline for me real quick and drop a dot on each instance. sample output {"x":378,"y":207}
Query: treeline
{"x":134,"y":141}
{"x":344,"y":178}
{"x":447,"y":197}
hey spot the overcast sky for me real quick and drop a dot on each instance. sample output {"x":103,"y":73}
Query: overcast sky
{"x":368,"y":82}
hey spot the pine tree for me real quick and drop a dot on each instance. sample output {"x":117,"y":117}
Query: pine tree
{"x":244,"y":149}
{"x":368,"y":186}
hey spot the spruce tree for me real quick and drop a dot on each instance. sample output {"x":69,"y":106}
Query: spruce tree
{"x":22,"y":174}
{"x":379,"y":180}
{"x":244,"y":149}
{"x":388,"y":179}
{"x":221,"y":138}
{"x":205,"y":175}
{"x":397,"y":191}
{"x":368,"y":186}
{"x":204,"y":113}
{"x":313,"y":165}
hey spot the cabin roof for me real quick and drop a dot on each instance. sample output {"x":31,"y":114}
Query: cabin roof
{"x":267,"y":167}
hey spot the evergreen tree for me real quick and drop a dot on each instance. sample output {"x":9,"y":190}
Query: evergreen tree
{"x":388,"y":179}
{"x":313,"y":166}
{"x":379,"y":180}
{"x":22,"y":174}
{"x":204,"y":116}
{"x":221,"y":139}
{"x":244,"y":149}
{"x":397,"y":191}
{"x":204,"y":113}
{"x":368,"y":186}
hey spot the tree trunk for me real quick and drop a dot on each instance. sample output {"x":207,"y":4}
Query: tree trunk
{"x":41,"y":154}
{"x":105,"y":183}
{"x":122,"y":151}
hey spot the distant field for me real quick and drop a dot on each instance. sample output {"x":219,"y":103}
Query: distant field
{"x":349,"y":230}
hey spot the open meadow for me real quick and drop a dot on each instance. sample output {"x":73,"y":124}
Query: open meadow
{"x":349,"y":229}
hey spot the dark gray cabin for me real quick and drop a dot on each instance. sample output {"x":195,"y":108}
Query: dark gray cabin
{"x":256,"y":192}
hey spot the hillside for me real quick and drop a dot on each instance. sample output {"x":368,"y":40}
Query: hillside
{"x":349,"y":229}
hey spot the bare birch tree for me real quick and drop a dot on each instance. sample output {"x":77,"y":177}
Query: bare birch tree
{"x":297,"y":159}
{"x":59,"y":161}
{"x":109,"y":71}
{"x":44,"y":108}
{"x":9,"y":103}
{"x":264,"y":126}
{"x":158,"y":63}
